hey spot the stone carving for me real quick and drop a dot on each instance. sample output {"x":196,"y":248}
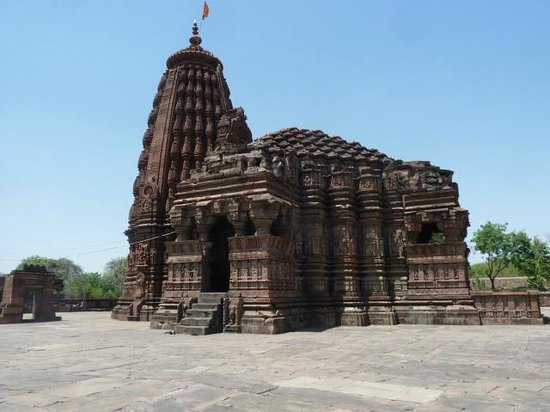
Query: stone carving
{"x":396,"y":181}
{"x":302,"y":226}
{"x":233,"y":132}
{"x":372,"y":245}
{"x":398,"y":243}
{"x":140,"y":254}
{"x":278,"y":166}
{"x":141,"y":284}
{"x":344,"y":242}
{"x":368,"y":183}
{"x":225,"y":311}
{"x":183,"y":306}
{"x":235,"y":311}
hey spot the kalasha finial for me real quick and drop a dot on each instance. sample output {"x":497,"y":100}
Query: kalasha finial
{"x":195,"y":39}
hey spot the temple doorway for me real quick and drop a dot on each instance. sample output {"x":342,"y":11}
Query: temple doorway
{"x":30,"y":304}
{"x":218,"y":256}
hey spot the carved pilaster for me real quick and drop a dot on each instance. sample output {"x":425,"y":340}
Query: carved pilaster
{"x":314,"y":233}
{"x":371,"y":245}
{"x":344,"y":245}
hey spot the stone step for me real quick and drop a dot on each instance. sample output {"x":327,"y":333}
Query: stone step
{"x":203,"y":318}
{"x":205,"y":306}
{"x":168,"y":306}
{"x":193,"y":330}
{"x":192,"y":321}
{"x":208,"y":302}
{"x":201,"y":313}
{"x":232,"y":329}
{"x":166,"y":312}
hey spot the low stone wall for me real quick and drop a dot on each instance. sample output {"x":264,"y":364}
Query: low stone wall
{"x":506,"y":283}
{"x":544,"y":298}
{"x":508,"y":308}
{"x":79,"y":305}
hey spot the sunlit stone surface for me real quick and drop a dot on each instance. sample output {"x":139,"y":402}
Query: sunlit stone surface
{"x":88,"y":362}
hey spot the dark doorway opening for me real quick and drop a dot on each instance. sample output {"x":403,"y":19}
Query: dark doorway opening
{"x":30,"y":304}
{"x":430,"y":233}
{"x":218,"y":257}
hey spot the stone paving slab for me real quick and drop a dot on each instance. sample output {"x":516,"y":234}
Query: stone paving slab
{"x":88,"y":362}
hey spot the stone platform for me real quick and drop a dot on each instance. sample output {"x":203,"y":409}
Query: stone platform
{"x":88,"y":362}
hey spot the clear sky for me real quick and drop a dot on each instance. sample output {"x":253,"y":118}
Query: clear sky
{"x":464,"y":84}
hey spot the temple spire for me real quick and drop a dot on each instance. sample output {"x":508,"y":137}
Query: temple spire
{"x":195,"y":39}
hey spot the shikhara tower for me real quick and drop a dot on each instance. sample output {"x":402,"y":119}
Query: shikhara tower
{"x":297,"y":228}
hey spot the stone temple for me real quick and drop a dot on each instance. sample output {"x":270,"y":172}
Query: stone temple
{"x":293,"y":230}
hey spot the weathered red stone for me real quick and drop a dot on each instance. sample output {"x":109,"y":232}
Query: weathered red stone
{"x":509,"y":308}
{"x":294,"y":229}
{"x":33,"y":286}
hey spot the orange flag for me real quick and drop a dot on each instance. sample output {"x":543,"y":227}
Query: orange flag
{"x":205,"y":11}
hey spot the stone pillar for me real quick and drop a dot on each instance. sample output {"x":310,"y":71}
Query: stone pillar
{"x":396,"y":186}
{"x":238,"y":219}
{"x":343,"y":253}
{"x":314,"y":245}
{"x":263,"y":213}
{"x":375,"y":283}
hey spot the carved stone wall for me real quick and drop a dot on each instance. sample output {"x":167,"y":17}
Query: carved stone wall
{"x":320,"y":231}
{"x":508,"y":308}
{"x":262,"y":266}
{"x":185,"y":269}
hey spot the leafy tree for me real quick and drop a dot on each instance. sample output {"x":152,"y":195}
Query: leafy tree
{"x":478,"y":270}
{"x":90,"y":285}
{"x":493,"y":241}
{"x":64,"y":268}
{"x":78,"y":287}
{"x":81,"y":285}
{"x":114,"y":275}
{"x":532,"y":257}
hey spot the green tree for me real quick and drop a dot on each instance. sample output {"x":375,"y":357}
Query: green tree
{"x":81,"y":285}
{"x":64,"y":268}
{"x":532,"y":258}
{"x":96,"y":287}
{"x":496,"y":245}
{"x":78,"y":287}
{"x":114,"y":275}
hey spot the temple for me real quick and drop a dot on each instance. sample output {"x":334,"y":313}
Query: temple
{"x":293,"y":230}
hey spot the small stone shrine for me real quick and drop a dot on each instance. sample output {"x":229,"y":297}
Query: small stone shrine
{"x":33,"y":290}
{"x":291,"y":230}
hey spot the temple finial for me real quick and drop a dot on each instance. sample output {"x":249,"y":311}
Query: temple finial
{"x":195,"y":39}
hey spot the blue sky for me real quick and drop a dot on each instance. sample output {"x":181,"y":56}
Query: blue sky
{"x":462,"y":84}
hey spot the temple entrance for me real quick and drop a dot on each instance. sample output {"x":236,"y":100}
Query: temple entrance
{"x":29,"y":304}
{"x":218,"y":256}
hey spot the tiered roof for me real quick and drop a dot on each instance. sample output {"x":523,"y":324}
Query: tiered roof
{"x":316,"y":143}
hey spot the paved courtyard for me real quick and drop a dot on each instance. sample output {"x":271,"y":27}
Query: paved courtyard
{"x":88,"y":362}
